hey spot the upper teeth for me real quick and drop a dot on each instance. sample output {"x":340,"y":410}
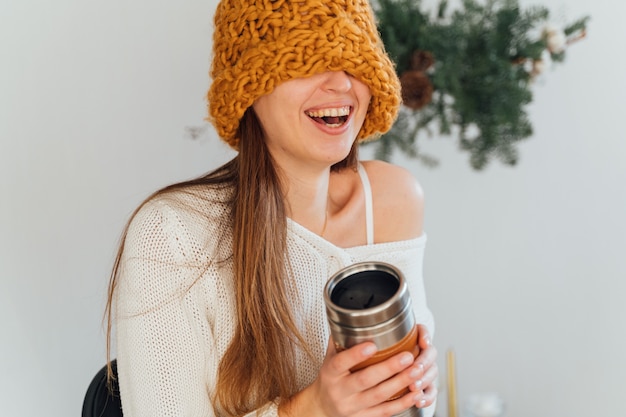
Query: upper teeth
{"x":335,"y":112}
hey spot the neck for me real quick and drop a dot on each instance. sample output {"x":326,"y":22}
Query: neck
{"x":307,"y":201}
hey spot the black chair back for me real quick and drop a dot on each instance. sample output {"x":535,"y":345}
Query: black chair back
{"x":100,"y":399}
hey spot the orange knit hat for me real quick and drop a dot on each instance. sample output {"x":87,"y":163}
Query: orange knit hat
{"x":258,"y":44}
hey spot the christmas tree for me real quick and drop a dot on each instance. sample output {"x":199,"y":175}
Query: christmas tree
{"x":468,"y":73}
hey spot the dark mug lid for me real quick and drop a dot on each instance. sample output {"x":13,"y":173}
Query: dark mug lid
{"x":366,"y":294}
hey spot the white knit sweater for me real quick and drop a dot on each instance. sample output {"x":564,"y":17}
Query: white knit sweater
{"x":175,"y":314}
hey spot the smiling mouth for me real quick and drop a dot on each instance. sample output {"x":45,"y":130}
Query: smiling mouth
{"x":331,"y":117}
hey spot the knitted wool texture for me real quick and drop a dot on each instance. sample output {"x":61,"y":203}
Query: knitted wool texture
{"x":258,"y":44}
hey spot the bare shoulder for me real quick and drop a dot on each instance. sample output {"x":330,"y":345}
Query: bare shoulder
{"x":398,"y":201}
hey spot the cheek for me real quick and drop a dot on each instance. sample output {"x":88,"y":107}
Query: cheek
{"x":365,"y":97}
{"x":364,"y":106}
{"x":266,"y":111}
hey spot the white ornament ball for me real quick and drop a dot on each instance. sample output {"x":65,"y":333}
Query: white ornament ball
{"x":556,"y":41}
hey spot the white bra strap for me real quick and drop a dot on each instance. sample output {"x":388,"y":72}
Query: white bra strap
{"x":369,"y":211}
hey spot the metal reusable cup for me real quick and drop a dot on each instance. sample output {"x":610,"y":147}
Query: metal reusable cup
{"x":369,"y":301}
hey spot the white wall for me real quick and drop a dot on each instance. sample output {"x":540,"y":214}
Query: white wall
{"x":94,"y":101}
{"x":524,"y":265}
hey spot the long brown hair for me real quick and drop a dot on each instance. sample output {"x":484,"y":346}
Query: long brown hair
{"x":249,"y":374}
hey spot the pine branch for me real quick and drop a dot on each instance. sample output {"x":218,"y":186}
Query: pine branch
{"x":486,"y":57}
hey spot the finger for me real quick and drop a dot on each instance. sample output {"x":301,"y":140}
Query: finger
{"x":427,"y":357}
{"x":401,"y":383}
{"x":425,"y":389}
{"x":431,"y":375}
{"x":427,"y":378}
{"x":427,"y":397}
{"x":424,"y":340}
{"x":343,"y":361}
{"x":381,"y":381}
{"x":393,"y":407}
{"x":425,"y":363}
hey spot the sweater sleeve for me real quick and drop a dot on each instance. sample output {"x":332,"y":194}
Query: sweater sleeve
{"x":162,"y":345}
{"x":170,"y":316}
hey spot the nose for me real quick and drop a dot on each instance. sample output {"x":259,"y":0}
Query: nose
{"x":337,"y":81}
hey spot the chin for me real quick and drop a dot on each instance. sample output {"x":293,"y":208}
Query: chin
{"x":337,"y":157}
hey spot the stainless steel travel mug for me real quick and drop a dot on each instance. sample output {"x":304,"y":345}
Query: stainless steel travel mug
{"x":370,"y":301}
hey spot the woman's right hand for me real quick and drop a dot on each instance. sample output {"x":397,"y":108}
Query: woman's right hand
{"x":337,"y":392}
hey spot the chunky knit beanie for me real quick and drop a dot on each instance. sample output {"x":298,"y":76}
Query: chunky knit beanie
{"x":258,"y":44}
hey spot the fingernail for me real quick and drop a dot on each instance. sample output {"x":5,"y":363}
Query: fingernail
{"x":415,"y":373}
{"x":427,"y":340}
{"x":369,"y":350}
{"x":418,"y":384}
{"x":406,"y":359}
{"x":422,"y":403}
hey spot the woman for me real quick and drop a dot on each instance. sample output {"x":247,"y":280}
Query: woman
{"x":217,"y":289}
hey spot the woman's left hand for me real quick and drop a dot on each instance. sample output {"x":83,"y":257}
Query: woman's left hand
{"x":427,"y":362}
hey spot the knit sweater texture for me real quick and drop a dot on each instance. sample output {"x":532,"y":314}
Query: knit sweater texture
{"x":175,"y":304}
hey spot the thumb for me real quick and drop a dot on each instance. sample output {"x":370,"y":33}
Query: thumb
{"x":340,"y":360}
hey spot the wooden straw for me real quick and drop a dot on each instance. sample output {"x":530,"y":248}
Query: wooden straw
{"x":453,"y":410}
